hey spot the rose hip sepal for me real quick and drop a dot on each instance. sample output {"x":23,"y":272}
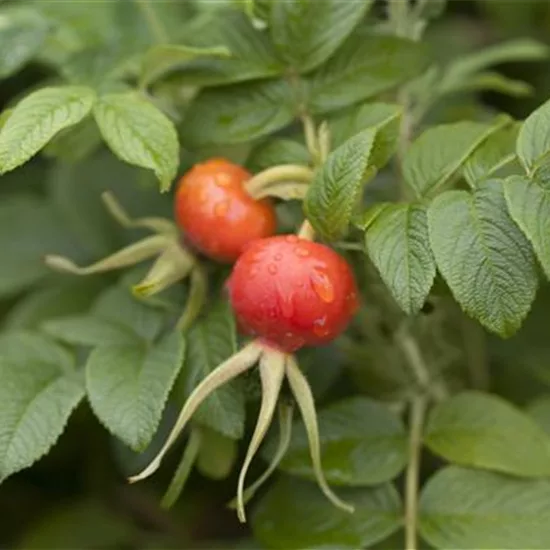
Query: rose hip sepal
{"x":216,"y":213}
{"x":308,"y":299}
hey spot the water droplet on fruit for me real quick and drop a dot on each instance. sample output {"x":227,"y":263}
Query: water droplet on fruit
{"x":291,"y":239}
{"x":322,"y":286}
{"x":320,"y":329}
{"x":301,"y":251}
{"x":254,"y":271}
{"x":272,"y":269}
{"x":287,"y":307}
{"x":223,"y":180}
{"x":221,"y":208}
{"x":278,"y":257}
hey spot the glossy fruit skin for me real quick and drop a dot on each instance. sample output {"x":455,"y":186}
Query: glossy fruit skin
{"x":290,"y":292}
{"x":216,"y":214}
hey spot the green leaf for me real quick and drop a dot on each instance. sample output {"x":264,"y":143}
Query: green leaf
{"x":128,"y":386}
{"x":354,"y":120}
{"x":238,"y":113}
{"x":471,"y":509}
{"x":485,"y":431}
{"x":85,"y":330}
{"x":37,"y":118}
{"x":441,"y":150}
{"x":39,"y":391}
{"x":277,"y":151}
{"x":22,"y":33}
{"x":252,"y":54}
{"x":533,"y":144}
{"x":362,"y":443}
{"x":496,"y":152}
{"x":210,"y":341}
{"x":22,"y":219}
{"x":490,"y":81}
{"x":294,"y":515}
{"x":523,"y":49}
{"x":529,"y":205}
{"x":539,"y":410}
{"x":397,"y":242}
{"x":483,"y":256}
{"x":363,"y":67}
{"x":165,"y":58}
{"x":139,"y":133}
{"x":336,"y":187}
{"x":307,"y":32}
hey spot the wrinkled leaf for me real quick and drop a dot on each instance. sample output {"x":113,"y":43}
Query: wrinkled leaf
{"x":533,"y":144}
{"x":483,"y":256}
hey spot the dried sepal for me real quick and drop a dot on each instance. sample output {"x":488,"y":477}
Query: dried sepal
{"x":235,"y":365}
{"x":272,"y":372}
{"x":130,"y":255}
{"x":172,"y":265}
{"x":285,"y":190}
{"x":304,"y":398}
{"x":190,"y":454}
{"x":285,"y":433}
{"x":158,"y":225}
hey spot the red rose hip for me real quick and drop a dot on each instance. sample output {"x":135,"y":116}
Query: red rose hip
{"x":291,"y":292}
{"x":217,"y":215}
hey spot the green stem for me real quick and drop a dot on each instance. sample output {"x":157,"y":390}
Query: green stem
{"x":184,"y":469}
{"x":475,"y":347}
{"x":158,"y":31}
{"x":398,"y":11}
{"x":418,"y":412}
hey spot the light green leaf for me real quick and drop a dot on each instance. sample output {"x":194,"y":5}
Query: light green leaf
{"x":337,"y":185}
{"x":277,"y":151}
{"x":362,"y":443}
{"x":86,"y":330}
{"x":39,"y":391}
{"x":491,"y":81}
{"x":397,"y":242}
{"x":295,"y":515}
{"x":252,"y":54}
{"x":23,"y":219}
{"x":470,"y":509}
{"x":239,"y":113}
{"x":483,"y":256}
{"x":533,"y":144}
{"x":363,"y":67}
{"x":211,"y":340}
{"x":441,"y":150}
{"x":539,"y":410}
{"x":139,"y":133}
{"x":496,"y":152}
{"x":307,"y":32}
{"x":165,"y":58}
{"x":529,"y":205}
{"x":523,"y":49}
{"x":484,"y":431}
{"x":128,"y":386}
{"x":37,"y":118}
{"x":22,"y":33}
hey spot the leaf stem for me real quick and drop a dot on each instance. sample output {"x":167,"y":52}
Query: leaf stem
{"x":158,"y":31}
{"x":417,"y":412}
{"x":475,"y":347}
{"x":398,"y":12}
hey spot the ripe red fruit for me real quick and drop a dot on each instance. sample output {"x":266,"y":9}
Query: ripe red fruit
{"x":217,"y":215}
{"x":290,"y":292}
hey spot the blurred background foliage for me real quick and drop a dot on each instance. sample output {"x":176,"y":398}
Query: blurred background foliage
{"x":76,"y":497}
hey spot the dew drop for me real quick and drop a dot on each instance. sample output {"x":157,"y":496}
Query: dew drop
{"x":221,"y":208}
{"x":291,"y":239}
{"x":278,"y":257}
{"x":320,"y":329}
{"x":301,"y":251}
{"x":287,"y":307}
{"x":272,"y":269}
{"x":322,"y":286}
{"x":223,"y":180}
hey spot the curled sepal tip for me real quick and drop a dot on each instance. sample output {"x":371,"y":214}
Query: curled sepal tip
{"x":272,"y":372}
{"x":304,"y":398}
{"x":198,"y":289}
{"x":115,"y":209}
{"x":172,"y":265}
{"x":235,"y":365}
{"x":285,"y":433}
{"x":132,"y":254}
